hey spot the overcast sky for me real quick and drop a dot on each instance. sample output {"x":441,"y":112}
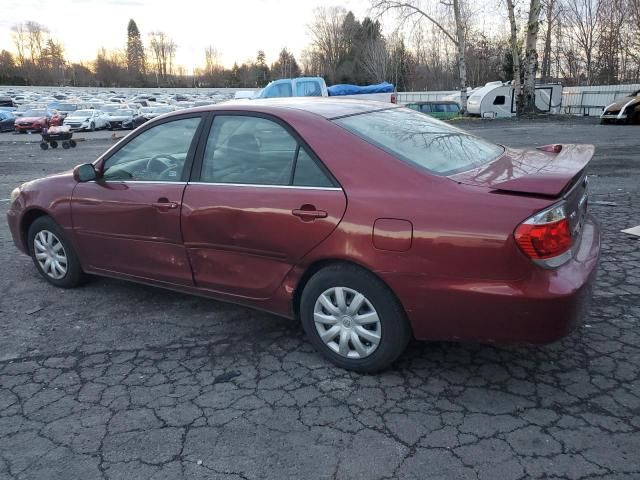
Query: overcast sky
{"x":237,"y":28}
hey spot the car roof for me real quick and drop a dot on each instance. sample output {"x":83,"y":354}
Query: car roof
{"x":434,"y":102}
{"x":328,"y":108}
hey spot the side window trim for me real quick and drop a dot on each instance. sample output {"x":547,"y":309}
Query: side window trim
{"x":196,"y":174}
{"x":188,"y":163}
{"x":292,"y":174}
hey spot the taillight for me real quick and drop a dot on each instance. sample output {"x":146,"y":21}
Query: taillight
{"x":394,"y":98}
{"x":546,"y":237}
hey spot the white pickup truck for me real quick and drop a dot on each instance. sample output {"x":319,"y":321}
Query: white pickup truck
{"x":316,"y":87}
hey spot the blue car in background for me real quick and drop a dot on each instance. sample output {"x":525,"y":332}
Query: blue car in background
{"x":7,"y":121}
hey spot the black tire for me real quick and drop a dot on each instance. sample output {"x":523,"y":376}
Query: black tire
{"x":44,"y":145}
{"x":395,"y":329}
{"x":74,"y":275}
{"x":65,"y":145}
{"x":108,"y":126}
{"x":92,"y":127}
{"x":72,"y":143}
{"x":54,"y":144}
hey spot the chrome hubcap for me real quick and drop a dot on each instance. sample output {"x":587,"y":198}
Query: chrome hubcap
{"x":347,"y":322}
{"x":50,"y":254}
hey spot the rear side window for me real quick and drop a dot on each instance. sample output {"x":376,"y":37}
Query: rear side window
{"x":308,"y":173}
{"x":499,"y":100}
{"x":257,"y":151}
{"x":308,"y":89}
{"x":421,"y":140}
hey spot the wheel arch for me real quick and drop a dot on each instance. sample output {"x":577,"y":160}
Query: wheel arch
{"x":27,"y":220}
{"x":320,"y":264}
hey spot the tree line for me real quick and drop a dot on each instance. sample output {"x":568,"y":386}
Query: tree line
{"x":436,"y":45}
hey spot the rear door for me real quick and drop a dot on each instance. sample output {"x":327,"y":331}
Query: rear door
{"x":261,"y":201}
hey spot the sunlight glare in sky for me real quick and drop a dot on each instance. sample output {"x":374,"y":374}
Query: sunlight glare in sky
{"x":237,"y":29}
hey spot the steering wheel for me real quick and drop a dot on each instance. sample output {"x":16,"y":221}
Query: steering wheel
{"x":156,"y":164}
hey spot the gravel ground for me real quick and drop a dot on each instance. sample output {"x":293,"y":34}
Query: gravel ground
{"x":121,"y":381}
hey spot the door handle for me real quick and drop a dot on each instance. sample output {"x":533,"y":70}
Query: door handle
{"x":164,"y":204}
{"x":309,"y":212}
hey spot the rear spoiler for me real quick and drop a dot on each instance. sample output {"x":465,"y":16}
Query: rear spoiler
{"x":555,"y":178}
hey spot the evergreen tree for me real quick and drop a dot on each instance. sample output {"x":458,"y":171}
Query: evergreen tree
{"x":286,"y":66}
{"x":261,"y":69}
{"x":135,"y":53}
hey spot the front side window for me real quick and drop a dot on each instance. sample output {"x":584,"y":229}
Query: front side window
{"x":157,"y":154}
{"x":257,"y":151}
{"x":279,"y":90}
{"x":499,"y":100}
{"x":421,"y":140}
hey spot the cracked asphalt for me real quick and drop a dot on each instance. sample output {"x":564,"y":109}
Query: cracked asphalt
{"x":121,"y":381}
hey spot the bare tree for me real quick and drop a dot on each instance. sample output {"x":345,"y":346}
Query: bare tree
{"x":329,"y":40}
{"x":583,"y":28}
{"x":528,"y":97}
{"x":515,"y":51}
{"x":410,"y":10}
{"x":163,"y":49}
{"x":551,"y":13}
{"x":375,"y":60}
{"x":19,"y":34}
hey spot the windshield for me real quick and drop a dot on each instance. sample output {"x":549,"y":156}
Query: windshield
{"x":67,"y":107}
{"x":110,"y":108}
{"x":82,"y":113}
{"x":121,"y":112}
{"x":421,"y":140}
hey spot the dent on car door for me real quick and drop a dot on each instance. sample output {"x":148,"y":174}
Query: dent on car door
{"x":128,"y":221}
{"x":262,"y":201}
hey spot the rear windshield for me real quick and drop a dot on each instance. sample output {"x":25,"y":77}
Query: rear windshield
{"x":422,"y":140}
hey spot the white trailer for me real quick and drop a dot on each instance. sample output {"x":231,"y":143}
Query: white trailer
{"x":496,"y":99}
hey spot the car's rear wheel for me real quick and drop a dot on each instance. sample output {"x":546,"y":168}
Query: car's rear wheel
{"x":353,"y":319}
{"x":53,"y":254}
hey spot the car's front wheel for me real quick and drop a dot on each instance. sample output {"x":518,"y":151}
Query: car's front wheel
{"x":53,"y":254}
{"x":353,"y":318}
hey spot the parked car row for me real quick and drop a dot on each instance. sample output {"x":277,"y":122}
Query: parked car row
{"x":31,"y":111}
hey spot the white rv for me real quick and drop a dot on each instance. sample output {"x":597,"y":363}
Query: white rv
{"x":496,"y":99}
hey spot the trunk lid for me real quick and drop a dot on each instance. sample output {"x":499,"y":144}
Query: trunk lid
{"x":535,"y":171}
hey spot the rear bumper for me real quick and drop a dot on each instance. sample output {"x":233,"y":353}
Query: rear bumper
{"x":542,"y":308}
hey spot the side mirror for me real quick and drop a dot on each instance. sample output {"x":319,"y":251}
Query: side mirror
{"x":84,"y":173}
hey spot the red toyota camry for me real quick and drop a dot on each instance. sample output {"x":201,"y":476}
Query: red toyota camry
{"x":371,"y":223}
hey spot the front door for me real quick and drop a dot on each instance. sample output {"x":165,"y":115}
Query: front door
{"x":262,"y":201}
{"x":128,"y":222}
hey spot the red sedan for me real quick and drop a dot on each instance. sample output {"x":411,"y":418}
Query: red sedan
{"x":34,"y":121}
{"x":368,"y":222}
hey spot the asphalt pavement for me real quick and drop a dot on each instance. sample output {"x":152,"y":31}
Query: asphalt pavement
{"x":115,"y":380}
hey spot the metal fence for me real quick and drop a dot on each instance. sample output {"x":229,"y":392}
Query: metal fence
{"x":407,"y":97}
{"x":588,"y":101}
{"x":591,"y":100}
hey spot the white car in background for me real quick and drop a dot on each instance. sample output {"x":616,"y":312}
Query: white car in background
{"x":87,"y":120}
